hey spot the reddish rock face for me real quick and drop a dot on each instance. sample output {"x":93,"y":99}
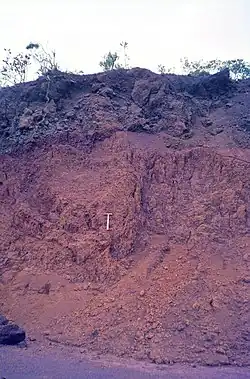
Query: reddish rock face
{"x":169,"y":280}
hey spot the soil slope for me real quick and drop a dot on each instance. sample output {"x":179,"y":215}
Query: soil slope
{"x":169,"y":157}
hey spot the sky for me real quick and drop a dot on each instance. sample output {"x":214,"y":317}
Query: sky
{"x":157,"y":31}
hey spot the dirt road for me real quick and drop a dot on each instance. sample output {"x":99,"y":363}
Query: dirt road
{"x":16,"y":363}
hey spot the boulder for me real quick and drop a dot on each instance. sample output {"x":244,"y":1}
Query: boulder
{"x":212,"y":85}
{"x":10,"y":334}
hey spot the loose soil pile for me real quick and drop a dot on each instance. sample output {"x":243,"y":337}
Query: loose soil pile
{"x":169,"y":157}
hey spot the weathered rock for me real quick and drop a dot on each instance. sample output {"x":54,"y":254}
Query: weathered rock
{"x":212,"y":85}
{"x":25,"y":122}
{"x":71,"y":115}
{"x":162,"y":190}
{"x":11,"y":334}
{"x":208,"y":122}
{"x":50,"y":108}
{"x":3,"y":320}
{"x":143,"y":89}
{"x":215,"y":131}
{"x":45,"y":289}
{"x":27,"y":112}
{"x":38,"y":116}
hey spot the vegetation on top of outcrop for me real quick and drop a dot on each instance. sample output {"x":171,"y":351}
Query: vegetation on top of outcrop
{"x":15,"y":68}
{"x":136,"y":100}
{"x":111,"y":60}
{"x":239,"y":68}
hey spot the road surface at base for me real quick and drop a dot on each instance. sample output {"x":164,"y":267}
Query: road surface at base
{"x":17,"y":363}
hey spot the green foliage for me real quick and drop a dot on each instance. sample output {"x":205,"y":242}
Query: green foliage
{"x":111,"y":60}
{"x":163,"y":70}
{"x":195,"y":68}
{"x":15,"y":67}
{"x":238,"y":68}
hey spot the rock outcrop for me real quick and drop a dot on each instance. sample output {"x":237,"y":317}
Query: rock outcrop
{"x":169,"y":157}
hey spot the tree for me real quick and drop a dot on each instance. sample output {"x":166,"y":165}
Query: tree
{"x":45,"y":59}
{"x":238,"y":68}
{"x":126,"y":58}
{"x":194,"y":68}
{"x":109,"y":61}
{"x":15,"y":67}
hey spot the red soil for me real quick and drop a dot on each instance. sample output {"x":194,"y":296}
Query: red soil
{"x":169,"y":282}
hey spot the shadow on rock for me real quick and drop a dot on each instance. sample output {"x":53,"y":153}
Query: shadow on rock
{"x":10,"y":334}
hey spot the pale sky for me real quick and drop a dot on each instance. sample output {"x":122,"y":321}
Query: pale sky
{"x":157,"y":31}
